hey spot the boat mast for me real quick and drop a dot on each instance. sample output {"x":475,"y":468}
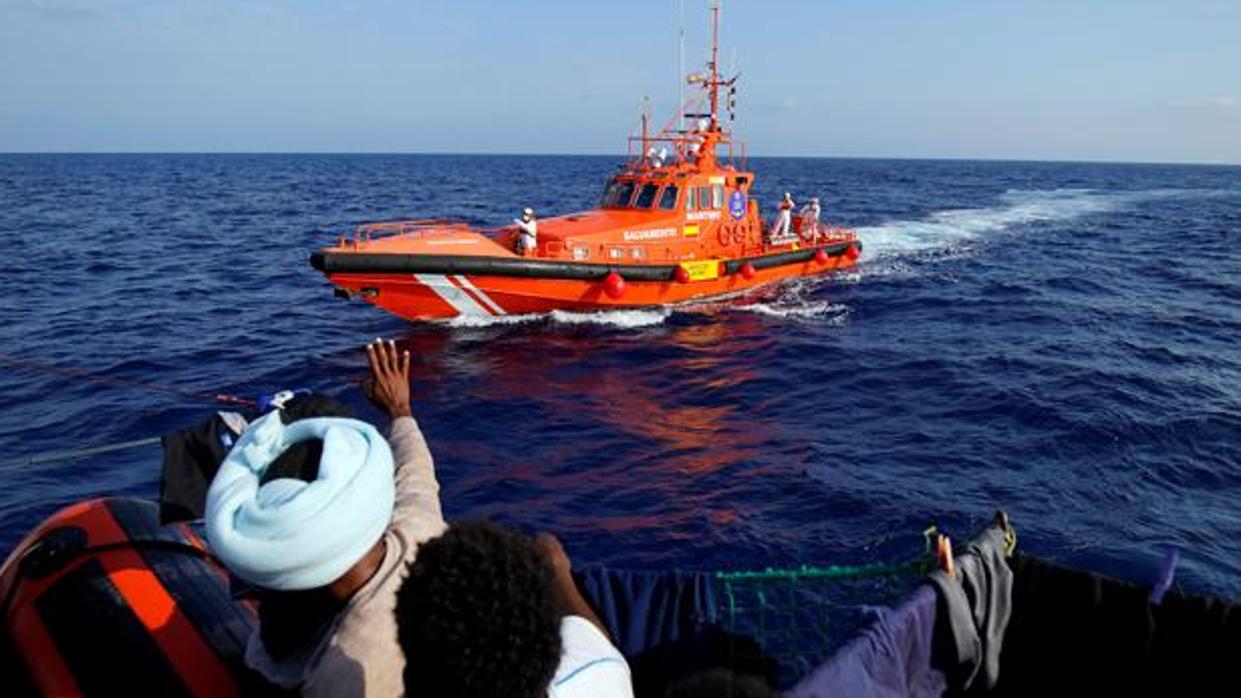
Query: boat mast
{"x":646,"y":115}
{"x":715,"y":73}
{"x":681,"y":72}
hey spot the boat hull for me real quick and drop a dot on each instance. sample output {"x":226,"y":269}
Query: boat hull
{"x":421,"y":287}
{"x":101,"y":599}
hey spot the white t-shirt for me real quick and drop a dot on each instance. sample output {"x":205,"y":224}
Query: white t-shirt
{"x":529,"y":228}
{"x":590,"y":667}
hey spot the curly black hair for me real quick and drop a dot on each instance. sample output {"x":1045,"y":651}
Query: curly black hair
{"x":478,"y":617}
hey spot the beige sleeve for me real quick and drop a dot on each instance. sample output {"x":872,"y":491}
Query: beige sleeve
{"x":417,"y":513}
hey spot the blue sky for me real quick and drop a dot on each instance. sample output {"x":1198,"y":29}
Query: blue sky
{"x":1124,"y":80}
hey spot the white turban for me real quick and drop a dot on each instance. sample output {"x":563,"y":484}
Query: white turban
{"x":290,"y":534}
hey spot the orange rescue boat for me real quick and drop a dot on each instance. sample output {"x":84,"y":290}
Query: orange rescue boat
{"x":676,"y":224}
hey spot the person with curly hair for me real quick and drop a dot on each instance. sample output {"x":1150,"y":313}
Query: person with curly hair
{"x":323,"y":514}
{"x":488,"y":613}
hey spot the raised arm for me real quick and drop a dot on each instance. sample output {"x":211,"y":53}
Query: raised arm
{"x":590,"y":664}
{"x":417,"y":510}
{"x":572,"y":603}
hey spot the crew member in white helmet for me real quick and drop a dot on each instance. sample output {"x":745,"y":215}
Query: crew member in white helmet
{"x":784,"y":220}
{"x":527,"y":232}
{"x":810,"y":219}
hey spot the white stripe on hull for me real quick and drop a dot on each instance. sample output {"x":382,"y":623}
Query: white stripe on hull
{"x":490,"y":304}
{"x":452,"y":295}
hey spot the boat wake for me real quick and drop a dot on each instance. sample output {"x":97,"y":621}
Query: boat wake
{"x":797,"y":307}
{"x":622,"y":319}
{"x":888,"y":246}
{"x":959,"y":227}
{"x":795,"y":300}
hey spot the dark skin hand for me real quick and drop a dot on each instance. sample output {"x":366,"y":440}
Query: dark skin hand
{"x":388,"y":388}
{"x":570,"y":599}
{"x":388,"y":385}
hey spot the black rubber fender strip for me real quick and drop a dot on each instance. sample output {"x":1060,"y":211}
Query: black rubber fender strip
{"x":367,"y":263}
{"x":790,"y":257}
{"x":364,"y":263}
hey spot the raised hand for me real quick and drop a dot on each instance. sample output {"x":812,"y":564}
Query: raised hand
{"x":388,"y":385}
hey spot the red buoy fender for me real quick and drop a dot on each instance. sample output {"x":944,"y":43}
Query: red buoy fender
{"x":820,"y":257}
{"x":682,"y":274}
{"x":614,"y":285}
{"x":852,"y":252}
{"x":748,"y":271}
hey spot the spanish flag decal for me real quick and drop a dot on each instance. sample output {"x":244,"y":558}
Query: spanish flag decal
{"x":690,"y":231}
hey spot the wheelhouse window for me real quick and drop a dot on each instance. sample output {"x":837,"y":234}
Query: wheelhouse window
{"x":609,"y":193}
{"x":691,"y":200}
{"x":646,"y":198}
{"x":668,"y":200}
{"x":704,"y":198}
{"x":717,"y":196}
{"x":618,"y":194}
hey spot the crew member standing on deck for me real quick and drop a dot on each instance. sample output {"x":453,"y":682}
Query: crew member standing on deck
{"x":810,"y":219}
{"x":527,"y":232}
{"x":784,"y":220}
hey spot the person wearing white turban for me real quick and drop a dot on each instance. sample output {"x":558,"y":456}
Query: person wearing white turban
{"x":344,"y":537}
{"x":291,"y":535}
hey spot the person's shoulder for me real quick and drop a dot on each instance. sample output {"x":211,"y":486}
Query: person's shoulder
{"x":375,"y":669}
{"x":589,"y":664}
{"x":580,"y":634}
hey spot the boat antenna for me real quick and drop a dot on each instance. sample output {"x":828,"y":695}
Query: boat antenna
{"x":732,"y":86}
{"x":646,"y":117}
{"x":681,"y":72}
{"x":715,"y":63}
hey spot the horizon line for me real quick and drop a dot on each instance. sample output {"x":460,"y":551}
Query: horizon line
{"x":1188,"y":163}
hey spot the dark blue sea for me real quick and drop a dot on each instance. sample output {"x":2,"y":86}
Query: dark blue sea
{"x":1061,"y":341}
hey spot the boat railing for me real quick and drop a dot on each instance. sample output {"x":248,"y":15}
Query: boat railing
{"x":416,"y":228}
{"x":812,"y":231}
{"x":837,"y":233}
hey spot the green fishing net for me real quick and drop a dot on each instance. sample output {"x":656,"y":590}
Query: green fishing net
{"x":797,"y":618}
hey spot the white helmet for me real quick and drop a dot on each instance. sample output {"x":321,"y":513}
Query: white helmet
{"x":788,"y":195}
{"x":528,"y":212}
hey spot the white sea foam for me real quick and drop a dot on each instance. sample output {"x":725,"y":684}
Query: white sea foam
{"x":959,"y":227}
{"x":493,"y":320}
{"x":615,"y":318}
{"x":792,"y":299}
{"x":833,"y":313}
{"x":624,"y":319}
